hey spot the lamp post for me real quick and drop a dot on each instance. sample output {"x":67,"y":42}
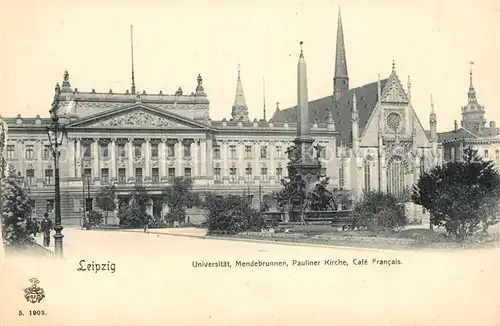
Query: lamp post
{"x":56,"y":134}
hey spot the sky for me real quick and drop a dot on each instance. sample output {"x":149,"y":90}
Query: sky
{"x":432,"y":41}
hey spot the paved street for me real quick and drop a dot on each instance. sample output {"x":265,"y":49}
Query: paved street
{"x":154,"y":283}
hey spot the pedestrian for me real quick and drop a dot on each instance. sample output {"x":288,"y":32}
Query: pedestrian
{"x":35,"y":227}
{"x":46,"y":227}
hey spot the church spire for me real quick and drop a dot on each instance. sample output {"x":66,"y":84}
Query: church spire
{"x":240,"y":108}
{"x":472,"y":92}
{"x":341,"y":78}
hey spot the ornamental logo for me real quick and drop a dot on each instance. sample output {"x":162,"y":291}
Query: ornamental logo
{"x":34,"y":293}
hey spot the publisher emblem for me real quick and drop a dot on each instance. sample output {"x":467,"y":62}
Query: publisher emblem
{"x":34,"y":293}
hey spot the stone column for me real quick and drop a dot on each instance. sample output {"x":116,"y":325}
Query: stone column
{"x":147,"y":159}
{"x":38,"y":163}
{"x":195,"y":158}
{"x":20,"y":157}
{"x":225,"y":160}
{"x":179,"y":154}
{"x":130,"y":161}
{"x":71,"y":157}
{"x":78,"y":156}
{"x":112,"y":152}
{"x":203,"y":158}
{"x":95,"y":159}
{"x":209,"y":158}
{"x":162,"y":157}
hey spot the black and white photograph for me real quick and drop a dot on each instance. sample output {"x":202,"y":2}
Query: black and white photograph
{"x":195,"y":162}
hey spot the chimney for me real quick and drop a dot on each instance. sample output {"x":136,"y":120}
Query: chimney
{"x":492,"y":124}
{"x":456,"y":126}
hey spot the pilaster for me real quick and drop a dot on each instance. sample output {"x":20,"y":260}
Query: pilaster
{"x":95,"y":159}
{"x":147,"y":159}
{"x":70,"y":144}
{"x":162,"y":158}
{"x":113,"y":163}
{"x":130,"y":161}
{"x":20,"y":155}
{"x":78,"y":156}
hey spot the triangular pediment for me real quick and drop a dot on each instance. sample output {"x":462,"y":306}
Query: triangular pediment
{"x":393,"y":91}
{"x":138,"y":116}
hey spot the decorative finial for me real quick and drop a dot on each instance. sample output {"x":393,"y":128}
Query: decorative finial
{"x":470,"y":73}
{"x":277,"y":106}
{"x":393,"y":65}
{"x":65,"y":83}
{"x":301,"y":50}
{"x":432,"y":104}
{"x":238,"y":71}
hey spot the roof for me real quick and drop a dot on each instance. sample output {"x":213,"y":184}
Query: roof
{"x":366,"y":99}
{"x":449,"y":136}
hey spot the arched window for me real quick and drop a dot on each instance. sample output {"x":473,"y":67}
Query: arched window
{"x":422,"y":165}
{"x":396,"y":171}
{"x":368,"y":174}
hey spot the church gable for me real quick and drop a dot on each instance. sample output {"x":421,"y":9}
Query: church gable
{"x":393,"y":91}
{"x":137,"y":116}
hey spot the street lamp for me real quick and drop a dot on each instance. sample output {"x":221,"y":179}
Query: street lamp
{"x":56,"y":134}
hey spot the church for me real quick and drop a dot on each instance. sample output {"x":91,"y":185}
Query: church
{"x":370,"y":136}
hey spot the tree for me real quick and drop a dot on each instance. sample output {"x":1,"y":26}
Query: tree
{"x":136,"y":214}
{"x":106,"y":200}
{"x":16,"y":211}
{"x":178,"y":197}
{"x":379,"y":211}
{"x":231,"y":214}
{"x":461,"y":196}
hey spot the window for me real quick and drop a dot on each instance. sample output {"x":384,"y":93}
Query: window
{"x":170,"y":150}
{"x":138,"y":174}
{"x":322,"y":151}
{"x":122,"y":152}
{"x":279,"y":174}
{"x":33,"y":204}
{"x":87,"y":174}
{"x":50,"y":205}
{"x":103,"y":150}
{"x":367,"y":171}
{"x":187,"y":173}
{"x":30,"y":177}
{"x":232,"y":174}
{"x":232,"y":151}
{"x":279,"y":152}
{"x":86,"y":150}
{"x":105,"y":176}
{"x":187,"y":149}
{"x":49,"y":175}
{"x":47,"y":152}
{"x":137,"y":150}
{"x":155,"y":175}
{"x":217,"y":152}
{"x":171,"y":174}
{"x":486,"y":153}
{"x":263,"y":174}
{"x":10,"y":151}
{"x":248,"y":152}
{"x":341,"y":176}
{"x":30,"y":152}
{"x":248,"y":174}
{"x":217,"y":174}
{"x":396,"y":177}
{"x":122,"y":176}
{"x":422,"y":165}
{"x":263,"y":152}
{"x":154,"y":150}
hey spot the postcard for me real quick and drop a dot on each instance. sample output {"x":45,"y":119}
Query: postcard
{"x":249,"y":163}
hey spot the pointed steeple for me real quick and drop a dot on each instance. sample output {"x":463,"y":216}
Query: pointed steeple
{"x":303,"y":131}
{"x":433,"y":121}
{"x":472,"y":92}
{"x":240,"y":108}
{"x":341,"y":77}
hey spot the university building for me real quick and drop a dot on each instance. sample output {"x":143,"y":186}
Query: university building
{"x":368,"y":137}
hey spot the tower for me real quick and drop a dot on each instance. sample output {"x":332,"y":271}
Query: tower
{"x":473,"y":113}
{"x":341,"y":78}
{"x":240,"y":108}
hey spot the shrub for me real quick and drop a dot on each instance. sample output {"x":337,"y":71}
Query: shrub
{"x":95,"y":219}
{"x":379,"y":211}
{"x":231,"y":215}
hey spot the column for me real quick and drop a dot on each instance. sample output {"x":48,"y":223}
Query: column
{"x":95,"y":159}
{"x":162,"y":156}
{"x":78,"y":156}
{"x":241,"y":161}
{"x":71,"y":157}
{"x":203,"y":158}
{"x":147,"y":159}
{"x":272,"y":165}
{"x":225,"y":158}
{"x":130,"y":161}
{"x":38,"y":163}
{"x":112,"y":151}
{"x":20,"y":157}
{"x":179,"y":153}
{"x":256,"y":158}
{"x":196,"y":158}
{"x":209,"y":156}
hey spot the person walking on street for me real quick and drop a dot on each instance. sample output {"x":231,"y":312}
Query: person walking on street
{"x":46,"y":227}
